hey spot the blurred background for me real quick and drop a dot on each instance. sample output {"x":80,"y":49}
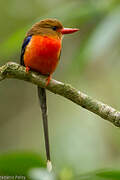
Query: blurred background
{"x":81,"y":142}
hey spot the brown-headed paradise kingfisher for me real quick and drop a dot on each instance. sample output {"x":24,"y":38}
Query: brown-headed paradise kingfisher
{"x":41,"y":52}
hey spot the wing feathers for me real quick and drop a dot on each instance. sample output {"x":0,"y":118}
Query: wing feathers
{"x":25,"y":43}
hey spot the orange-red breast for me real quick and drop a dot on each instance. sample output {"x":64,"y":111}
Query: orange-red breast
{"x":41,"y":52}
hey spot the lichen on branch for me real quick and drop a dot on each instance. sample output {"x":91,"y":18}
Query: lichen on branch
{"x":14,"y":70}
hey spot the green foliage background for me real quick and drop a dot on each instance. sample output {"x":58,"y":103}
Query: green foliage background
{"x":80,"y":141}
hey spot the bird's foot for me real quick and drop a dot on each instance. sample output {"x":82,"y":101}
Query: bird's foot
{"x":27,"y":69}
{"x":48,"y":80}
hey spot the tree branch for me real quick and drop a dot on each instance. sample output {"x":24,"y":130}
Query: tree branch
{"x":14,"y":70}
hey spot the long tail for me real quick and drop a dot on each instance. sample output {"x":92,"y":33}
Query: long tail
{"x":43,"y":104}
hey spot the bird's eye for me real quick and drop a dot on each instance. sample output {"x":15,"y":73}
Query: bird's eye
{"x":54,"y":28}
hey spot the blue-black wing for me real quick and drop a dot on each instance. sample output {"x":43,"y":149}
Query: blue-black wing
{"x":25,"y":43}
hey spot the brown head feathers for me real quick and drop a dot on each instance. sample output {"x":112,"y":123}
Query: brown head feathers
{"x":48,"y":27}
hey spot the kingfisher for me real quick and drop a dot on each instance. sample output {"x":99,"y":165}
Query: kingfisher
{"x":40,"y":52}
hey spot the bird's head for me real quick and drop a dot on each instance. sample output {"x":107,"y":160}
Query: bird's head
{"x":50,"y":27}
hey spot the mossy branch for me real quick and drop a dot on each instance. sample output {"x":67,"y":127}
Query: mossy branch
{"x":14,"y":70}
